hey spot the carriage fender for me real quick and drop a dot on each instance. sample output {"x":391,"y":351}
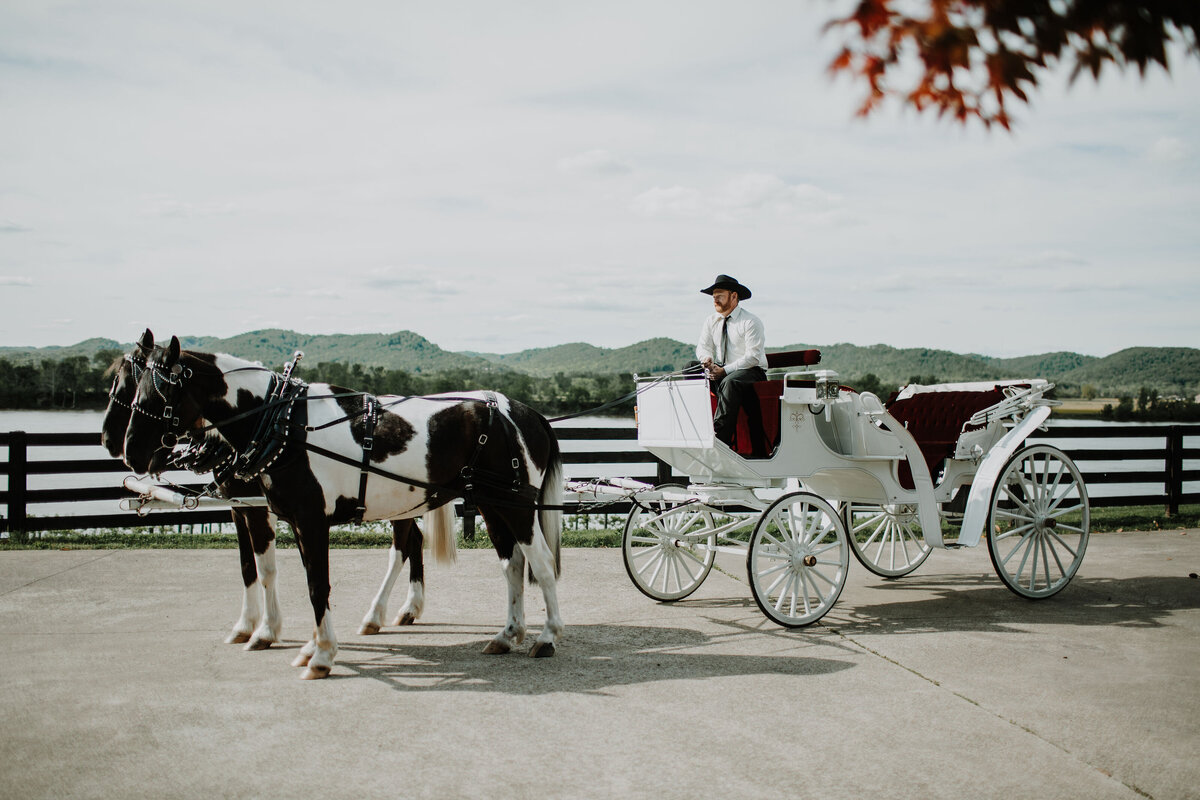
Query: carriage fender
{"x":927,"y":509}
{"x":980,"y":499}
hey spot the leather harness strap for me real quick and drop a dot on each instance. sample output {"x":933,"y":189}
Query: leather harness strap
{"x":370,"y":416}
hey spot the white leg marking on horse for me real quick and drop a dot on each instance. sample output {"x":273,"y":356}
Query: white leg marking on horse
{"x":306,"y":653}
{"x":514,"y":631}
{"x":414,"y":604}
{"x":373,"y":620}
{"x":325,"y":643}
{"x":541,"y":561}
{"x":271,"y":629}
{"x":251,"y":614}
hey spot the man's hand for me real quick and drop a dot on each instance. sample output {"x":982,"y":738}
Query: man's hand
{"x":715,"y":371}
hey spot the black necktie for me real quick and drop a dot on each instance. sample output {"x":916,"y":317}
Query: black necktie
{"x":724,"y":341}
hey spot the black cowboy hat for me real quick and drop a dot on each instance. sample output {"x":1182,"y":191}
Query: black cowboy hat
{"x":726,"y":282}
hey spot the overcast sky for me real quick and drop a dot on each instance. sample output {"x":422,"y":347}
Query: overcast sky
{"x":497,"y":176}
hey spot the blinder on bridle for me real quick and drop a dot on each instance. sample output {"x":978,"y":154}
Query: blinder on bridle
{"x":137,"y":365}
{"x":167,"y":383}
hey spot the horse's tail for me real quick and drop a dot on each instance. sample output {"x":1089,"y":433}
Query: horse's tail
{"x":439,"y":531}
{"x":551,"y":498}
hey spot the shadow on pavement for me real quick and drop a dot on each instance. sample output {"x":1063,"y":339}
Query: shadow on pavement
{"x":963,"y":603}
{"x":591,"y":659}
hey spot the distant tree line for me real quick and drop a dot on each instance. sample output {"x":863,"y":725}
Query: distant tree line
{"x":82,"y":383}
{"x":1150,"y":407}
{"x":553,"y":396}
{"x":74,"y":382}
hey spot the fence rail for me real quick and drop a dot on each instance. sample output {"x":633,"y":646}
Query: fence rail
{"x":1155,"y":486}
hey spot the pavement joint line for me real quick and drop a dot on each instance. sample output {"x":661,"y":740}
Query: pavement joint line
{"x":60,"y":572}
{"x":985,"y":709}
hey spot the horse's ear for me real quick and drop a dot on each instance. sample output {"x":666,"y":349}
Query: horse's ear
{"x":172,"y":351}
{"x":147,"y":342}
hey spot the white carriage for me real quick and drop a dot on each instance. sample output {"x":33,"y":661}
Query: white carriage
{"x":843,"y":472}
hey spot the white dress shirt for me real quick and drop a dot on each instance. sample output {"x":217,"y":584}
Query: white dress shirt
{"x":747,"y":341}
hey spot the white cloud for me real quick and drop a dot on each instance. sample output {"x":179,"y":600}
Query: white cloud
{"x":673,"y":201}
{"x":596,"y":163}
{"x":770,"y":195}
{"x":172,"y":207}
{"x":1048,"y":259}
{"x":15,"y":280}
{"x":416,"y":280}
{"x":1168,"y":150}
{"x":395,"y":277}
{"x":744,"y":198}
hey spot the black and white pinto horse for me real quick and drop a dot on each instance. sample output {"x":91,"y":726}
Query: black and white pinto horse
{"x":260,"y":623}
{"x":345,"y":457}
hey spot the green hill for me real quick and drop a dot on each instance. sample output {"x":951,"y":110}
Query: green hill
{"x":1171,"y":370}
{"x":401,"y":350}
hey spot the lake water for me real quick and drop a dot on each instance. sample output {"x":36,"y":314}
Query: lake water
{"x":89,"y":421}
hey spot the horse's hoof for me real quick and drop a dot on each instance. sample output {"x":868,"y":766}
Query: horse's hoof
{"x":237,"y":637}
{"x":495,"y":648}
{"x":302,"y":660}
{"x":259,"y":644}
{"x":368,"y":629}
{"x":315,"y":673}
{"x":408,"y":618}
{"x":541,"y":650}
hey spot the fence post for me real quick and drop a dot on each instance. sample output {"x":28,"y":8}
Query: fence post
{"x":18,"y":460}
{"x":1174,"y":469}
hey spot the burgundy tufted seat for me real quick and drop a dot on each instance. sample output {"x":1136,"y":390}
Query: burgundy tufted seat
{"x":935,"y":419}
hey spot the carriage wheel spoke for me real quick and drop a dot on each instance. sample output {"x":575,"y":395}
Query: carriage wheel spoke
{"x":817,"y":573}
{"x":1018,"y":502}
{"x":804,"y":593}
{"x":1013,"y":531}
{"x":785,"y":576}
{"x":1021,"y":545}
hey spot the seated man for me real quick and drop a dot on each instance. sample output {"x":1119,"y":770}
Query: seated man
{"x":732,"y":350}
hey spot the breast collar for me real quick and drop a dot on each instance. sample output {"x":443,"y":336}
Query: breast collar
{"x":281,"y":423}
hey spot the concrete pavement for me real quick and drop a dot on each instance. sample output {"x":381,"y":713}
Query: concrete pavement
{"x":115,"y":683}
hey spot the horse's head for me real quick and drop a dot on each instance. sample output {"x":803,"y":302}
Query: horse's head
{"x":126,"y":372}
{"x":162,"y":410}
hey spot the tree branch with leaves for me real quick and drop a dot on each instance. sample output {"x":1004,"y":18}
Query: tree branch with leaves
{"x":975,"y":57}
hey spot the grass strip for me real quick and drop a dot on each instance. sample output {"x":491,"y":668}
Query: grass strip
{"x":372,"y":535}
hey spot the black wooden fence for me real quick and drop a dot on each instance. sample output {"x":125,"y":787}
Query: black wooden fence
{"x":1163,"y":445}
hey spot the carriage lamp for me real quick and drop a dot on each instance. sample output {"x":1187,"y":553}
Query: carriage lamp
{"x":827,"y":385}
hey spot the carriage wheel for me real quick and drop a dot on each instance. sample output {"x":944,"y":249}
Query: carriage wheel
{"x":1039,"y":522}
{"x":666,"y":551}
{"x":886,"y":539}
{"x":798,"y":559}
